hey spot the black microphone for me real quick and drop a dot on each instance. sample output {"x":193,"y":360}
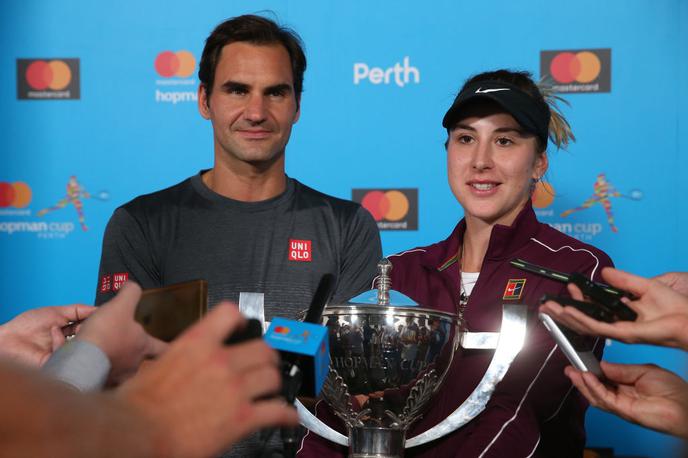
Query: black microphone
{"x":320,"y":299}
{"x":252,"y":330}
{"x":294,"y":365}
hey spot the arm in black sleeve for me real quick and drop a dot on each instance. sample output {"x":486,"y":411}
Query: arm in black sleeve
{"x":127,"y":255}
{"x":361,"y":251}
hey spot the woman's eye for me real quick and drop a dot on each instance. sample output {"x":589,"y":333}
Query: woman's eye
{"x":464,"y":139}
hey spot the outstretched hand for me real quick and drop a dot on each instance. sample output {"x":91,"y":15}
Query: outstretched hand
{"x":123,"y":340}
{"x":31,"y":337}
{"x":202,"y":396}
{"x":662,"y":313}
{"x":678,"y":281}
{"x":644,"y":394}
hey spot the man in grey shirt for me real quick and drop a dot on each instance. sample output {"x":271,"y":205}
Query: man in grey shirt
{"x":244,"y":225}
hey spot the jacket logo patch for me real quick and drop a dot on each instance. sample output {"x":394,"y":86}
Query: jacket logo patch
{"x":113,"y":282}
{"x":118,"y":280}
{"x":106,"y":283}
{"x":514,"y":289}
{"x":300,"y":250}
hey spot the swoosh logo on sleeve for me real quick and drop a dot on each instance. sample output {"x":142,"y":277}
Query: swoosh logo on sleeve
{"x":480,"y":90}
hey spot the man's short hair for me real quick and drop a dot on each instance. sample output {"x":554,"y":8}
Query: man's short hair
{"x":255,"y":30}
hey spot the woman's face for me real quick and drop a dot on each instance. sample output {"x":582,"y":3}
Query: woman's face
{"x":491,"y":163}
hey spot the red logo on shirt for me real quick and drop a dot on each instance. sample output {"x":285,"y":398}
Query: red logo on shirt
{"x":514,"y":289}
{"x":118,"y":280}
{"x":300,"y":250}
{"x":106,"y":283}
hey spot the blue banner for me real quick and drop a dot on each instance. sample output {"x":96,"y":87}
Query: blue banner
{"x":99,"y":105}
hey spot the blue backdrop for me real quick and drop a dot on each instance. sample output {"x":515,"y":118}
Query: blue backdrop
{"x":134,"y":130}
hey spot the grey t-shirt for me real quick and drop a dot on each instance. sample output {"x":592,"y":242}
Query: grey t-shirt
{"x":280,"y":247}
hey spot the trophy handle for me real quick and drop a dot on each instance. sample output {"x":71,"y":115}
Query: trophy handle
{"x":313,"y":423}
{"x":511,"y":339}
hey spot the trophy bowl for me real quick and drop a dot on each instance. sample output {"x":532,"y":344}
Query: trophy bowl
{"x":386,"y":363}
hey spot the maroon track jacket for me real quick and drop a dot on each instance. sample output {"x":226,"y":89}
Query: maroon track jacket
{"x":534,"y":411}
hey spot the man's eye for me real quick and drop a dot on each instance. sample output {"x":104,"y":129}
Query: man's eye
{"x":503,"y":141}
{"x":277,"y":93}
{"x":465,"y":139}
{"x":236,"y":91}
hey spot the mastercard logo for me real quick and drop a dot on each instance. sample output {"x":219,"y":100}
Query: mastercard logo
{"x":17,"y":194}
{"x":543,"y":195}
{"x":581,"y":67}
{"x":180,"y":64}
{"x":281,"y":330}
{"x":55,"y":75}
{"x":388,"y":205}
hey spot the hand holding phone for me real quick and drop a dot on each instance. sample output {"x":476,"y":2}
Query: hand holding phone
{"x":578,"y":350}
{"x":167,"y":311}
{"x":615,"y":309}
{"x":593,"y":310}
{"x":605,"y":297}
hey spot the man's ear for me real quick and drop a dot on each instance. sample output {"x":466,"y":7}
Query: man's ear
{"x":203,"y":106}
{"x":297,"y":115}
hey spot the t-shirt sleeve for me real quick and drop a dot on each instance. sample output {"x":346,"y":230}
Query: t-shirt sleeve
{"x":126,"y":255}
{"x":361,"y":251}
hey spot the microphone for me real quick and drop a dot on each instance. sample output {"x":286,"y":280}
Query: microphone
{"x":303,"y":346}
{"x":320,"y":299}
{"x":304,"y":349}
{"x":252,"y":330}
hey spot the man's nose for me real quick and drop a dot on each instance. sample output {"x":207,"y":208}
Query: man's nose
{"x":255,"y":108}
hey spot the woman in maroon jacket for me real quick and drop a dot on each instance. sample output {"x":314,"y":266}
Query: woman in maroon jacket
{"x":498,"y":128}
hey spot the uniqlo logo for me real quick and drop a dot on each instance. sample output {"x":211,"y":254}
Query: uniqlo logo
{"x":118,"y":280}
{"x":514,"y":288}
{"x":106,"y":283}
{"x":300,"y":250}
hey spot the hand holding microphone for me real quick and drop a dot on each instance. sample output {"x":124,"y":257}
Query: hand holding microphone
{"x":304,"y":350}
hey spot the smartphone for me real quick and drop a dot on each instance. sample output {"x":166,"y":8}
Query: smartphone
{"x":578,"y":349}
{"x":166,"y":312}
{"x":605,"y":296}
{"x":601,"y":295}
{"x":595,"y":311}
{"x":564,"y":277}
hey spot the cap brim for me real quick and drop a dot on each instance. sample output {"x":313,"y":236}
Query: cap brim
{"x":454,"y":114}
{"x":530,"y":115}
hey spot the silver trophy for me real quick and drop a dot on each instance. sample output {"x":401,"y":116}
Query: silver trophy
{"x":388,"y":357}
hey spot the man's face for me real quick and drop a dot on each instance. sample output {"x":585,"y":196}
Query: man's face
{"x":252,"y":105}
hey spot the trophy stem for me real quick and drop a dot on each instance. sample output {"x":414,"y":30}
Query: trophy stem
{"x":373,"y":442}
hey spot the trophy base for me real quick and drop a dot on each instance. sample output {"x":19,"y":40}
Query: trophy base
{"x":371,"y":442}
